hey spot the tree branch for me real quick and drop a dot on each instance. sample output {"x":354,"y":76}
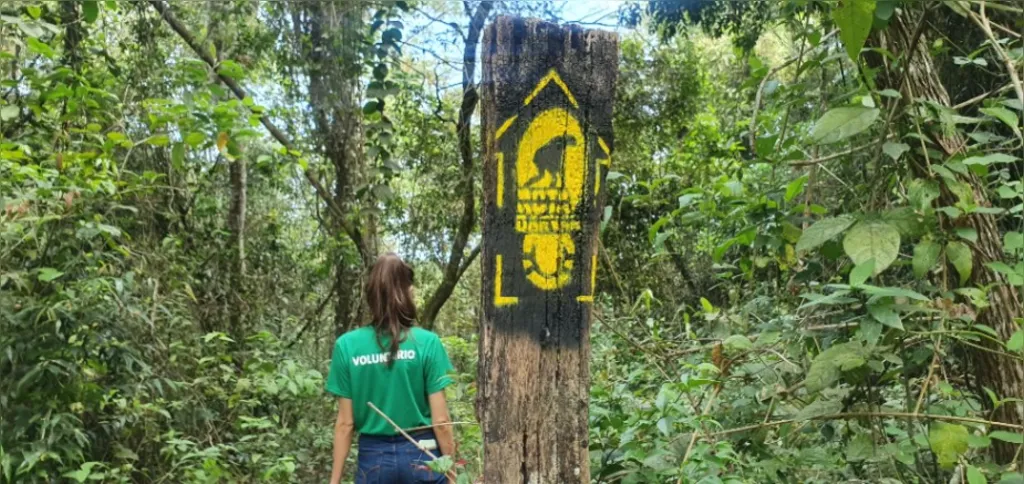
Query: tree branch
{"x":454,"y":268}
{"x":846,"y":415}
{"x":316,"y":314}
{"x":469,"y":260}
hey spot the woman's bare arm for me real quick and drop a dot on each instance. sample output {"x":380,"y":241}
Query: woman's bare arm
{"x":344,"y":427}
{"x":441,"y":421}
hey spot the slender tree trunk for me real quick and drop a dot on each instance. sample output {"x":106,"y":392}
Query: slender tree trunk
{"x":217,"y":38}
{"x":236,"y":224}
{"x":331,"y":38}
{"x":921,"y":81}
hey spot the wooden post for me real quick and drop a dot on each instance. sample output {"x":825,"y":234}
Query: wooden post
{"x":547,"y":131}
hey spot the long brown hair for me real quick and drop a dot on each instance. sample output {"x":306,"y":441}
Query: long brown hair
{"x":389,"y":295}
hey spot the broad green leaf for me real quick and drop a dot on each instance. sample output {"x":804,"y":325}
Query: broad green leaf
{"x":883,"y":313}
{"x":926,"y":254}
{"x":90,"y":10}
{"x":380,"y":71}
{"x":158,"y":140}
{"x":8,"y":112}
{"x":178,"y":156}
{"x":948,"y":442}
{"x":822,"y":231}
{"x":1005,"y":115}
{"x":391,"y":36}
{"x":854,"y":19}
{"x":1016,"y":341}
{"x":841,"y":123}
{"x":664,"y":426}
{"x":979,"y":441}
{"x":860,"y":448}
{"x":960,"y":256}
{"x":828,"y":366}
{"x":975,"y":476}
{"x":860,"y":274}
{"x":838,"y":297}
{"x":967,"y":233}
{"x":923,"y":193}
{"x":41,"y":48}
{"x":737,"y":342}
{"x":990,"y":159}
{"x":194,"y":139}
{"x":819,"y":408}
{"x":1013,"y":276}
{"x":885,"y":9}
{"x":895,"y":150}
{"x":233,"y":70}
{"x":796,"y":187}
{"x":872,"y":240}
{"x":1013,"y":438}
{"x":1013,"y":242}
{"x":880,"y":292}
{"x":47,"y":274}
{"x":383,"y":192}
{"x":890,"y":93}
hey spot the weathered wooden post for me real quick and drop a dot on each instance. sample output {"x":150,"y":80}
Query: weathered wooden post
{"x":547,"y":134}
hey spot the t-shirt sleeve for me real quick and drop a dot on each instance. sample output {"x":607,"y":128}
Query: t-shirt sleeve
{"x":338,"y":381}
{"x":438,"y":368}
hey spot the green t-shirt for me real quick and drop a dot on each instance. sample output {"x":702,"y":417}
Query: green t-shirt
{"x":359,"y":371}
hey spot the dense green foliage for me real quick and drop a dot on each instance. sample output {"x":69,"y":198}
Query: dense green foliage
{"x":810,"y":258}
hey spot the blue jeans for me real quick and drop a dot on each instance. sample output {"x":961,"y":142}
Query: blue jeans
{"x":395,"y":460}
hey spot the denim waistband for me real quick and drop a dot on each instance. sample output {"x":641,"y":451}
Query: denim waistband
{"x":396,"y":439}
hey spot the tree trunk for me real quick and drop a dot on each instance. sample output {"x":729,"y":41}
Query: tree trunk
{"x":921,"y":81}
{"x":220,"y":42}
{"x":236,"y":224}
{"x":546,"y":120}
{"x":333,"y":32}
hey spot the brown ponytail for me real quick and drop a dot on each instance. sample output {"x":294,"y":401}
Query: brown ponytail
{"x":389,"y":296}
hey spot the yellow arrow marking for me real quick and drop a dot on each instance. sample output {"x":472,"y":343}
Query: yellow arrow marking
{"x":499,"y":300}
{"x":501,"y":180}
{"x":593,"y":281}
{"x":552,"y":76}
{"x":604,"y":146}
{"x":607,"y":161}
{"x":504,"y":127}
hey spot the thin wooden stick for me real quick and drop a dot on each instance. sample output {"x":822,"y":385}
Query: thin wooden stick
{"x":696,"y":433}
{"x":425,"y":427}
{"x":450,"y":474}
{"x":838,"y":416}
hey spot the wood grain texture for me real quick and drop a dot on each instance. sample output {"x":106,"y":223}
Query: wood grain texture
{"x":534,"y":346}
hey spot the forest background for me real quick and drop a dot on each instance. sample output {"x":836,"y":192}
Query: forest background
{"x":811,"y":254}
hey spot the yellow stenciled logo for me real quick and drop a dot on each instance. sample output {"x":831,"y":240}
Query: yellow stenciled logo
{"x":552,"y":163}
{"x":550,"y":170}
